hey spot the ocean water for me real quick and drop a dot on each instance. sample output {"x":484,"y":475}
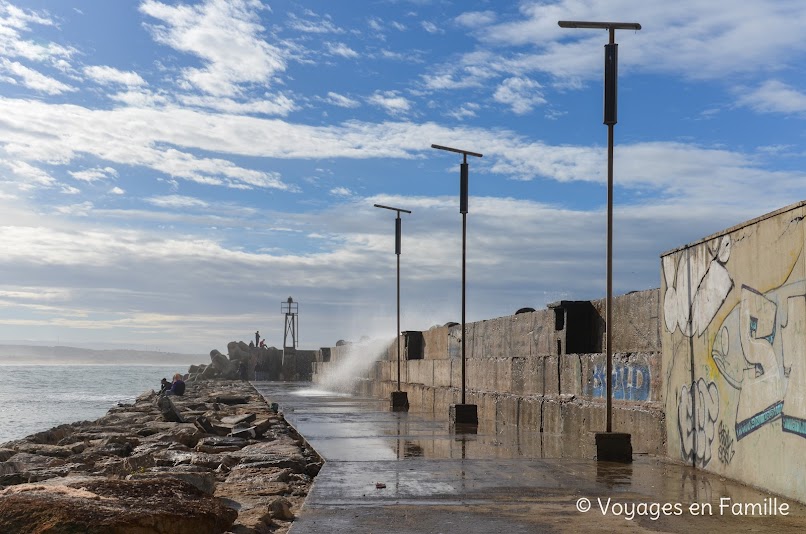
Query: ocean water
{"x":34,"y":398}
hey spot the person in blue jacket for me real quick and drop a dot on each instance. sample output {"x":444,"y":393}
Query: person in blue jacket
{"x":177,"y":386}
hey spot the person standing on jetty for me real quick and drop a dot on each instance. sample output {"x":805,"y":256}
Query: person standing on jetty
{"x":257,"y":338}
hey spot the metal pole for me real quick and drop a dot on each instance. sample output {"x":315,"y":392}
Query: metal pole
{"x":463,"y":208}
{"x":609,"y":303}
{"x":464,"y":248}
{"x":398,"y":239}
{"x":398,"y":299}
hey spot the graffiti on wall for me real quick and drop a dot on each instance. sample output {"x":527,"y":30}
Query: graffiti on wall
{"x":726,"y":451}
{"x":630,"y":381}
{"x":760,"y":351}
{"x":755,"y":369}
{"x":696,"y":288}
{"x":697,"y":412}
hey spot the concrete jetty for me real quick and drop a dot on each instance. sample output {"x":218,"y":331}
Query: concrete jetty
{"x":398,"y":472}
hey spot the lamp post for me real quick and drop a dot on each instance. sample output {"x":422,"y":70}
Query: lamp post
{"x":399,"y":400}
{"x":463,"y":413}
{"x":610,"y":445}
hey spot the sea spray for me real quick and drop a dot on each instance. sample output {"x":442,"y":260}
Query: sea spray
{"x":352,"y":364}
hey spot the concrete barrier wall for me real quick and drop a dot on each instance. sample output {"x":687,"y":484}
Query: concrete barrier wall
{"x":734,"y":352}
{"x":520,"y":377}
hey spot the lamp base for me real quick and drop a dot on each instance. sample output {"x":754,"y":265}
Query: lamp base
{"x":463,"y":414}
{"x":399,"y":401}
{"x":614,"y":447}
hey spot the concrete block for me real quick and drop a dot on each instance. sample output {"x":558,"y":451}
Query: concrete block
{"x":571,"y":374}
{"x":551,"y":375}
{"x":533,"y":376}
{"x":530,"y":413}
{"x":551,"y":416}
{"x":517,"y":372}
{"x":442,"y":373}
{"x":506,"y":410}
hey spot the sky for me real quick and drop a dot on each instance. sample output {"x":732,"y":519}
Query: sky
{"x":171,"y":171}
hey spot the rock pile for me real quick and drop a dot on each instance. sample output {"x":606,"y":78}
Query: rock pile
{"x":212,"y":461}
{"x":238,"y":353}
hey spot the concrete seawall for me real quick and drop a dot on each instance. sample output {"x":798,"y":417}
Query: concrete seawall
{"x":520,"y":371}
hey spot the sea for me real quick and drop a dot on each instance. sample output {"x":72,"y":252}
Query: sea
{"x":34,"y":398}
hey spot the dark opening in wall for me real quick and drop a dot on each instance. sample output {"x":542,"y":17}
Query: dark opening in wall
{"x":414,"y":344}
{"x":559,"y":347}
{"x":579,"y":322}
{"x":559,"y":318}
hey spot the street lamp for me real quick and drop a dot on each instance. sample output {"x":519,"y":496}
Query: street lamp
{"x":610,"y":445}
{"x":400,"y":400}
{"x":463,"y":413}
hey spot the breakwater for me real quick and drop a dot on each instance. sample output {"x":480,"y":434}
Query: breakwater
{"x":213,"y":460}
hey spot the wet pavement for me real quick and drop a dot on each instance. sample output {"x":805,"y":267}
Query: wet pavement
{"x":409,"y":472}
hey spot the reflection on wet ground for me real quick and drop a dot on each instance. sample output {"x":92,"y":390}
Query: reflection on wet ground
{"x":349,"y":428}
{"x":396,"y":472}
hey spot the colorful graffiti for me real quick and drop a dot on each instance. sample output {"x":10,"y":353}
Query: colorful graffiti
{"x":733,"y":337}
{"x":696,"y":288}
{"x":697,"y":412}
{"x":631,"y":381}
{"x":760,"y":352}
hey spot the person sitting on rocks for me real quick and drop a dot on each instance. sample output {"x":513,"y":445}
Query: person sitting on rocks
{"x":177,"y":386}
{"x":164,"y":386}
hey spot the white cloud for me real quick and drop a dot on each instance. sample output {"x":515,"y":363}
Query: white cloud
{"x":106,"y":75}
{"x":700,"y":40}
{"x":475,"y":19}
{"x":341,"y":192}
{"x":773,"y":96}
{"x":471,"y":70}
{"x":117,"y":191}
{"x":341,"y":100}
{"x":76,"y":210}
{"x":34,"y":79}
{"x":70,"y":190}
{"x":391,"y":101}
{"x":15,"y":21}
{"x":177,"y":201}
{"x":341,"y":49}
{"x":430,"y":27}
{"x":95,"y":174}
{"x":142,"y":137}
{"x":314,"y":24}
{"x":146,"y":138}
{"x":277,"y":104}
{"x":226,"y":35}
{"x":522,"y":94}
{"x":465,"y":111}
{"x":398,"y":26}
{"x":140,"y":97}
{"x":28,"y":176}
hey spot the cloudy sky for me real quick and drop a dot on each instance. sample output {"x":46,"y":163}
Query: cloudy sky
{"x":170,"y":171}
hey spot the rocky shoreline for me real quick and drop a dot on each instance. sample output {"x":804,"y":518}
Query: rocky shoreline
{"x":215,"y":460}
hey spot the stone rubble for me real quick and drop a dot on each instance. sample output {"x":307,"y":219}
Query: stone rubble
{"x":215,"y":460}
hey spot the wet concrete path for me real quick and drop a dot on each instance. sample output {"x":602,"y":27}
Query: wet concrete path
{"x":395,"y":473}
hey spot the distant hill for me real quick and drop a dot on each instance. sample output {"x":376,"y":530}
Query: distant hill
{"x":30,"y":354}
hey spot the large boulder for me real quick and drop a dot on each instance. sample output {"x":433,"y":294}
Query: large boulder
{"x":222,"y":364}
{"x":169,"y":411}
{"x":113,"y":507}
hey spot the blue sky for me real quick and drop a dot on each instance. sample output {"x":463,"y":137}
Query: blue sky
{"x":171,"y":171}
